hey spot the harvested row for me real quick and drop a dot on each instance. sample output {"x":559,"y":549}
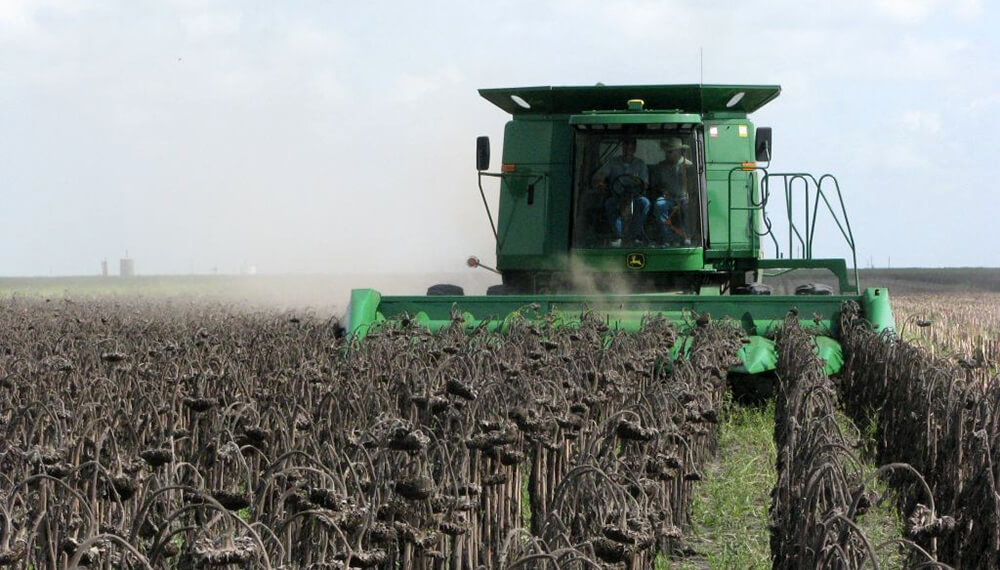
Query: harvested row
{"x":194,"y":437}
{"x":821,"y":490}
{"x":939,"y":418}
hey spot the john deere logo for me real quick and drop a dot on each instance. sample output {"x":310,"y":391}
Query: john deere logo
{"x":635,"y":261}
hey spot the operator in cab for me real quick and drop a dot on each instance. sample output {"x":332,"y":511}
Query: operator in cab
{"x":670,"y":184}
{"x":626,"y":179}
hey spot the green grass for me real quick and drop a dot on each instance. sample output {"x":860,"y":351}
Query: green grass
{"x":729,"y":511}
{"x":525,"y":498}
{"x":882,"y":522}
{"x":729,"y":508}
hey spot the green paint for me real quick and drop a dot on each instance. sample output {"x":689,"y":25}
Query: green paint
{"x":363,"y":311}
{"x":561,"y":146}
{"x":544,"y":179}
{"x":830,"y":353}
{"x":760,"y":317}
{"x":878,"y":311}
{"x":759,"y":355}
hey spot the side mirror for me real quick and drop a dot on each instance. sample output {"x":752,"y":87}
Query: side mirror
{"x":762,"y":147}
{"x":482,"y":153}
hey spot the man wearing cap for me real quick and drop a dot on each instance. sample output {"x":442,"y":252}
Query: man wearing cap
{"x":626,"y":178}
{"x":670,"y":178}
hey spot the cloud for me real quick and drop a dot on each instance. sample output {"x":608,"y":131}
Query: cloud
{"x":920,"y":11}
{"x":20,"y":19}
{"x":985,"y":103}
{"x":907,"y":11}
{"x":24,"y":13}
{"x":310,"y":41}
{"x":922,"y":122}
{"x":645,"y":18}
{"x":897,"y":58}
{"x":210,"y":25}
{"x":15,"y":14}
{"x":328,"y":85}
{"x":410,"y":87}
{"x":967,"y":9}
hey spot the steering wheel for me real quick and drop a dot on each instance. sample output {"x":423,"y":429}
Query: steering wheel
{"x":626,"y":185}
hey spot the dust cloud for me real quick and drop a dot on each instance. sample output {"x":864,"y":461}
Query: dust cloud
{"x":331,"y":294}
{"x":585,"y":281}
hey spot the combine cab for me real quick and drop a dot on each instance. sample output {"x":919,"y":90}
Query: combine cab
{"x":630,"y":201}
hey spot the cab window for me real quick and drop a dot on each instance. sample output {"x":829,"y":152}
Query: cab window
{"x":636,"y":189}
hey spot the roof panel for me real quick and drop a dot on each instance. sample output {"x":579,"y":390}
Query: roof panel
{"x":688,"y":98}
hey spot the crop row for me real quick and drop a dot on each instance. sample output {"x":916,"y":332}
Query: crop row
{"x":193,"y":437}
{"x":941,"y":419}
{"x":822,"y":490}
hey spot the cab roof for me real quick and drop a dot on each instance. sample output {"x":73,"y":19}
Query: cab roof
{"x":685,"y":98}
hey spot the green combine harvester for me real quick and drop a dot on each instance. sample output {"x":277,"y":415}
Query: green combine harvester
{"x":630,"y":201}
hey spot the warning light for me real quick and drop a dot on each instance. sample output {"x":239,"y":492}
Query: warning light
{"x":749,"y":166}
{"x":508,"y":168}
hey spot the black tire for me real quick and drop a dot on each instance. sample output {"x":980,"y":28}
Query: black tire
{"x":752,"y":289}
{"x":814,"y":289}
{"x":499,"y":289}
{"x":445,"y":289}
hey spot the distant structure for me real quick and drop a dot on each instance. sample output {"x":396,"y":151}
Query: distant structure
{"x":104,"y":268}
{"x":126,"y":266}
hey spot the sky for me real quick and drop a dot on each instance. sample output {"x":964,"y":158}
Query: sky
{"x":318,"y":136}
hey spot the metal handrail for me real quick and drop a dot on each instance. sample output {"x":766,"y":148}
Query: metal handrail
{"x":813,"y":191}
{"x":750,"y":209}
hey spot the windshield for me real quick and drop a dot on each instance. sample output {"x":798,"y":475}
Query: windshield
{"x":636,"y":190}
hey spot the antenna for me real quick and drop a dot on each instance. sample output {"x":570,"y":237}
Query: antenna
{"x":701,"y":65}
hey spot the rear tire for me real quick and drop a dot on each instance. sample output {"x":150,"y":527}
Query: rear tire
{"x":445,"y":289}
{"x":500,"y":289}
